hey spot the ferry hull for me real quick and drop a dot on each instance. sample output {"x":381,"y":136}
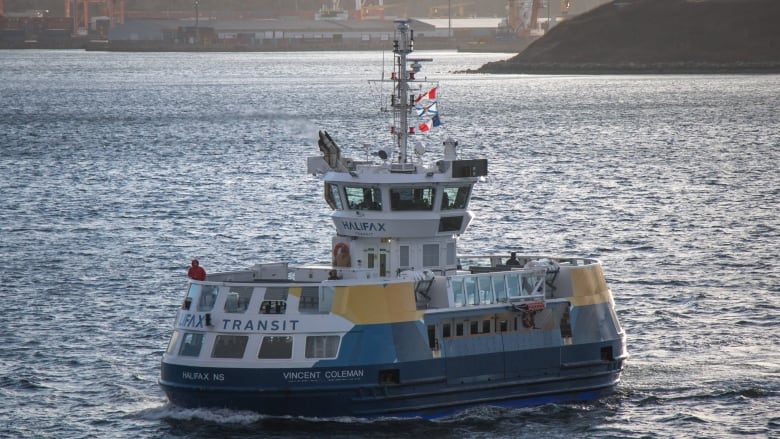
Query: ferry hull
{"x":374,"y":403}
{"x":427,"y":396}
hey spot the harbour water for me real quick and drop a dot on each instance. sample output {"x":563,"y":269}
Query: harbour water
{"x":118,"y":168}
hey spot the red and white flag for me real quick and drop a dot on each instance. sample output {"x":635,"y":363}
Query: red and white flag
{"x":430,"y":95}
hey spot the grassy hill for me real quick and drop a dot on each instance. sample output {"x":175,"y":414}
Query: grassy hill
{"x":652,"y":36}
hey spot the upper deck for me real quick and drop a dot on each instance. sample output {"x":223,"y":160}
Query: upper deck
{"x":482,"y":280}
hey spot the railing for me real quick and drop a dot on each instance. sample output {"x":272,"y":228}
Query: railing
{"x":476,"y":262}
{"x":251,"y":298}
{"x":264,"y":298}
{"x":520,"y":284}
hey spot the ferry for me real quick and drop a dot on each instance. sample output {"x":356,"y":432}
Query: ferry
{"x":394,"y":322}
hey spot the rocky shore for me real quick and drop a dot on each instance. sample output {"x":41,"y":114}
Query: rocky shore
{"x":658,"y":36}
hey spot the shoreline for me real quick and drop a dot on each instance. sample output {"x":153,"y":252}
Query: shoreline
{"x":630,"y":68}
{"x":291,"y":45}
{"x":496,"y":67}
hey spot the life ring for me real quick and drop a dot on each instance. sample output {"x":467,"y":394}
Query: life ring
{"x":341,"y":255}
{"x":343,"y":247}
{"x":528,"y":319}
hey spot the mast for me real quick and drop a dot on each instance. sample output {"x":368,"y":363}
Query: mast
{"x":402,"y":102}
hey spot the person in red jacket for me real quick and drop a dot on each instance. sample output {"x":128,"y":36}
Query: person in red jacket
{"x":196,"y":272}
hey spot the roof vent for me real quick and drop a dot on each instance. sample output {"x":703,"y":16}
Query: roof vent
{"x":407,"y":168}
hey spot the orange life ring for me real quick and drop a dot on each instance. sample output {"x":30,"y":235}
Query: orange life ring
{"x":340,"y":246}
{"x":341,"y":255}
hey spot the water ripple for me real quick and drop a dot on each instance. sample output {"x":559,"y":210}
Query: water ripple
{"x":110,"y":188}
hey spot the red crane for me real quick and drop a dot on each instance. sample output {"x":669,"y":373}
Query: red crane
{"x":113,"y":9}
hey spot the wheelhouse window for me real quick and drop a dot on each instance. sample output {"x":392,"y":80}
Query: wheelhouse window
{"x":412,"y":198}
{"x":450,"y":223}
{"x":229,"y":346}
{"x":322,"y":346}
{"x":455,"y":197}
{"x":363,"y":198}
{"x":332,"y":196}
{"x":276,"y":347}
{"x":191,"y":343}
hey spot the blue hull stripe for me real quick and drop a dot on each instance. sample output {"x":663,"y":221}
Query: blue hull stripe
{"x":428,"y":397}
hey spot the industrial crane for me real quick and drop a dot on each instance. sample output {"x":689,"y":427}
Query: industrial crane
{"x":522,"y":16}
{"x":113,"y":9}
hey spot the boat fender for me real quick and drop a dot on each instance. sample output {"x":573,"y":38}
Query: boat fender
{"x":341,"y":255}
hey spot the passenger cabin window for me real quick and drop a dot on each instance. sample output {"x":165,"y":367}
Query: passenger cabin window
{"x":457,"y":291}
{"x":513,"y":284}
{"x":499,"y":287}
{"x":455,"y":197}
{"x":470,"y":284}
{"x":191,"y":343}
{"x":363,"y":198}
{"x":485,"y":290}
{"x":275,"y":347}
{"x":310,"y":300}
{"x":192,"y":294}
{"x":322,"y":346}
{"x":412,"y":198}
{"x":208,"y":296}
{"x":274,"y":301}
{"x":273,"y":307}
{"x":229,"y":346}
{"x":172,"y":343}
{"x":237,"y":300}
{"x":332,"y":196}
{"x":496,"y":287}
